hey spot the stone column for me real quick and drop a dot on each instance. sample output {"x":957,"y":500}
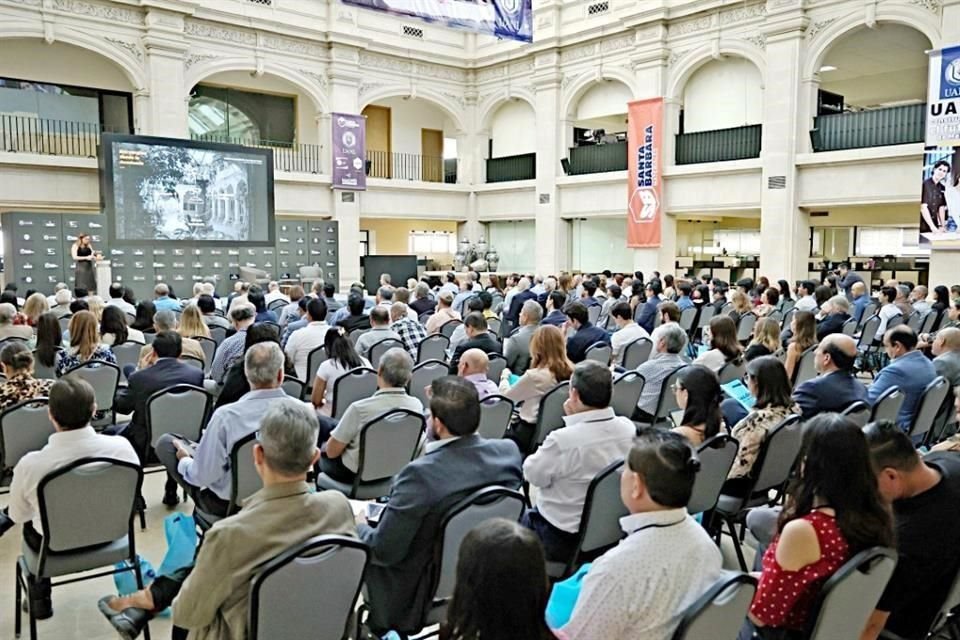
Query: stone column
{"x":164,"y":113}
{"x":551,"y":230}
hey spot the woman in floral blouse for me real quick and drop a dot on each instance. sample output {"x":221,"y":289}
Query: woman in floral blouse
{"x":767,"y":380}
{"x":17,"y":363}
{"x":84,"y":343}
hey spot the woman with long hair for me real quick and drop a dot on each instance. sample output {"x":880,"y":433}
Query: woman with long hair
{"x":741,"y":304}
{"x":785,"y":294}
{"x":84,"y":343}
{"x":698,"y":393}
{"x":941,"y":299}
{"x":501,"y":588}
{"x":114,"y":330}
{"x":35,"y":306}
{"x":192,"y":324}
{"x":17,"y":363}
{"x":833,"y":511}
{"x":821,"y":294}
{"x":84,"y":257}
{"x":724,"y":346}
{"x":259,"y":302}
{"x":49,"y":339}
{"x":766,"y":339}
{"x":804,"y":328}
{"x":549,"y":366}
{"x":143,"y":320}
{"x":95,"y":306}
{"x":342,"y":358}
{"x":769,"y":302}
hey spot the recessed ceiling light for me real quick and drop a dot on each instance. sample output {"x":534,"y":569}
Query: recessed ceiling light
{"x":827,"y":67}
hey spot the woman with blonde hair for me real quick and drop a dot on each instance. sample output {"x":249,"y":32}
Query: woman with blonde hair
{"x":95,"y":306}
{"x":766,"y":339}
{"x":741,"y":303}
{"x":84,"y":343}
{"x":192,"y":324}
{"x":804,"y":328}
{"x":34,"y":307}
{"x":549,"y":366}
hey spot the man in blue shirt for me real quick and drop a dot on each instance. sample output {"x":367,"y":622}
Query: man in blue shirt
{"x":588,"y":296}
{"x":586,"y":335}
{"x":684,"y":301}
{"x":163,"y":301}
{"x":909,"y":369}
{"x":859,"y":300}
{"x":646,"y":313}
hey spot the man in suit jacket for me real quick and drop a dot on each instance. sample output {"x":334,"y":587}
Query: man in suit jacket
{"x":516,"y":303}
{"x":516,"y":349}
{"x":946,"y":348}
{"x":835,"y":388}
{"x":475,"y":326}
{"x":556,"y":300}
{"x":587,"y":334}
{"x":838,"y":312}
{"x":909,"y":369}
{"x":402,"y":545}
{"x":164,"y":370}
{"x":647,"y":312}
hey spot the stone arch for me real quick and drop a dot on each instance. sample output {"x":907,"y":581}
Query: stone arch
{"x":310,"y":88}
{"x":582,"y":83}
{"x":492,"y":103}
{"x":445,"y":103}
{"x":690,"y":62}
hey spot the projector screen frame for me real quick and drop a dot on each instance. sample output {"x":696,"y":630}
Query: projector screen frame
{"x":107,"y":193}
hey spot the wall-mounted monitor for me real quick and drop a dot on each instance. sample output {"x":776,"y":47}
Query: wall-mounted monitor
{"x":156,"y":189}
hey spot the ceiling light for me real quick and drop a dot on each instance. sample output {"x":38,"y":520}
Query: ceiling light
{"x":827,"y":67}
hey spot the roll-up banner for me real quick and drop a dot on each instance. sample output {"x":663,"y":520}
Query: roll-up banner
{"x":349,"y":152}
{"x":940,"y":191}
{"x":511,"y":19}
{"x":645,"y":188}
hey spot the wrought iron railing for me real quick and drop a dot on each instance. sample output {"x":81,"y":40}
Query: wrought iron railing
{"x":26,"y":134}
{"x":508,"y":168}
{"x":598,"y":158}
{"x":287,"y":156}
{"x":719,"y":145}
{"x":873,"y":128}
{"x":410,"y":166}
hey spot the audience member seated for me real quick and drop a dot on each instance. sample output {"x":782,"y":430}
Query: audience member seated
{"x":255,"y":297}
{"x":403,"y":544}
{"x":474,"y":367}
{"x":835,"y":388}
{"x":162,"y":300}
{"x":888,"y":310}
{"x":20,"y":385}
{"x":71,"y":407}
{"x":909,"y":369}
{"x":114,"y":330}
{"x":422,"y":302}
{"x":860,"y":300}
{"x":379,"y":330}
{"x":290,"y":311}
{"x":34,"y":307}
{"x":588,"y":294}
{"x":10,"y":330}
{"x":768,"y":383}
{"x":523,"y":294}
{"x":698,"y":394}
{"x":341,"y":359}
{"x":902,"y":300}
{"x":833,"y":512}
{"x":724,"y":346}
{"x":586,"y":334}
{"x":946,"y":351}
{"x":444,"y":313}
{"x":569,"y":458}
{"x":837,"y":310}
{"x":62,"y":301}
{"x":305,"y":340}
{"x":116,"y":299}
{"x":143,"y":320}
{"x":645,"y":313}
{"x":84,"y":344}
{"x":273,"y":293}
{"x":627,"y":331}
{"x":235,"y":384}
{"x":298,"y":323}
{"x":803,"y":330}
{"x":477,"y":337}
{"x":464,"y":293}
{"x":668,"y":312}
{"x":639,"y":588}
{"x":516,"y":348}
{"x":501,"y":587}
{"x":355,"y":318}
{"x":238,"y":295}
{"x":411,"y":332}
{"x":805,"y":300}
{"x":191,"y":324}
{"x":210,"y":598}
{"x":770,"y":300}
{"x":765,"y":341}
{"x":669,"y":342}
{"x":556,"y":301}
{"x":341,"y":454}
{"x":740,"y":305}
{"x":166,"y":320}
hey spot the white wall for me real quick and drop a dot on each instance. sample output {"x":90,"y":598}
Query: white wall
{"x":513,"y":129}
{"x":408,"y":117}
{"x":600,"y":243}
{"x":604,"y":99}
{"x":515,"y":242}
{"x":722,"y":94}
{"x":59,"y":63}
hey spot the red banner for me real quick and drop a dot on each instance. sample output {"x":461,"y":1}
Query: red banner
{"x":645,"y":182}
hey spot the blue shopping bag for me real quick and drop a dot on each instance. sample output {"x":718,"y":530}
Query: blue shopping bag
{"x":126,"y":582}
{"x":563,"y":598}
{"x":181,"y":533}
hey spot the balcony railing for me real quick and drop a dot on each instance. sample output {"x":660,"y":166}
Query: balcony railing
{"x":509,"y":168}
{"x":598,"y":158}
{"x":287,"y":156}
{"x":411,"y":166}
{"x":719,"y":145}
{"x":26,"y":134}
{"x":874,"y":128}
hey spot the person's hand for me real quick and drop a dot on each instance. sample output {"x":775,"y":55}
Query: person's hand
{"x":182,"y":450}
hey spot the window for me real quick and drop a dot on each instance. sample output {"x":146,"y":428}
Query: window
{"x":62,"y":106}
{"x":221,"y":114}
{"x":423,"y":243}
{"x":885,"y":241}
{"x":364,"y":243}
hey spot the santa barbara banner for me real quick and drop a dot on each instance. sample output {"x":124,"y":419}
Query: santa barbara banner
{"x":645,"y":184}
{"x":512,"y":19}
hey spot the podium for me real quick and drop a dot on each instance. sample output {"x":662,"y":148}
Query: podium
{"x":104,"y":278}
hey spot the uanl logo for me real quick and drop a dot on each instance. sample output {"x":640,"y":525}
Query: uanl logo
{"x":643,"y":203}
{"x":950,"y":77}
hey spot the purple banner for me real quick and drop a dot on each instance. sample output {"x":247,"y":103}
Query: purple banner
{"x":349,"y":152}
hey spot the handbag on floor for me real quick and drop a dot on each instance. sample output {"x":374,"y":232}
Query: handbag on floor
{"x":563,"y":598}
{"x":181,"y":533}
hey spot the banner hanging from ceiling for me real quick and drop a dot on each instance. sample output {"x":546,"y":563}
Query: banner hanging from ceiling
{"x":645,"y":188}
{"x":940,"y":191}
{"x":511,"y":19}
{"x":349,"y":151}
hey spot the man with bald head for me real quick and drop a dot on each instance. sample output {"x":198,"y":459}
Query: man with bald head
{"x":946,"y":349}
{"x":835,"y":388}
{"x":473,"y":367}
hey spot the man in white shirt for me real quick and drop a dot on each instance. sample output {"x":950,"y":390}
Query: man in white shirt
{"x":627,"y":331}
{"x":638,"y":589}
{"x":568,"y":460}
{"x":274,"y":294}
{"x":806,"y":301}
{"x":379,"y":330}
{"x":71,"y":406}
{"x":116,"y":299}
{"x":303,"y":341}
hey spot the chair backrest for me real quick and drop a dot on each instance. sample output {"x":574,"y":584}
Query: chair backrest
{"x":494,"y":325}
{"x":778,"y":453}
{"x":495,"y":369}
{"x":467,"y":514}
{"x":193,"y":362}
{"x":718,"y":613}
{"x":423,"y":376}
{"x":627,"y":388}
{"x":688,"y":318}
{"x":868,"y":332}
{"x":244,"y":480}
{"x":732,"y":370}
{"x":775,"y":316}
{"x":896,"y":321}
{"x":355,"y":335}
{"x":293,"y":387}
{"x":887,"y":406}
{"x":850,"y":327}
{"x":593,"y":313}
{"x":71,"y":519}
{"x":851,"y":594}
{"x":65,"y":322}
{"x":667,"y":402}
{"x":209,"y":347}
{"x":599,"y":352}
{"x":868,"y":311}
{"x":716,"y":459}
{"x":745,"y":326}
{"x":806,"y":368}
{"x":706,"y":315}
{"x":354,"y":385}
{"x":636,"y":353}
{"x":42,"y":371}
{"x":380,"y":348}
{"x":495,"y":414}
{"x":602,"y":510}
{"x":149,"y":337}
{"x":929,"y":406}
{"x":102,"y":376}
{"x":131,"y":318}
{"x":950,"y":602}
{"x":308,"y":591}
{"x":277,"y":304}
{"x":127,"y":353}
{"x":930,"y":321}
{"x":449,"y":327}
{"x":424,"y":317}
{"x":217,"y":334}
{"x":314,"y":359}
{"x":387,"y":444}
{"x":859,"y":412}
{"x":24,"y":427}
{"x":433,"y":347}
{"x":550,"y":414}
{"x":787,"y":318}
{"x":915,"y":320}
{"x":182,"y":409}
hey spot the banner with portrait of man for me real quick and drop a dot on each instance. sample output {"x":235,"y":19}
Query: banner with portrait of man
{"x":940,"y":191}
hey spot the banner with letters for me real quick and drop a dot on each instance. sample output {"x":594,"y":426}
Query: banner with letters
{"x":349,"y":152}
{"x":943,"y":98}
{"x":511,"y":19}
{"x":645,"y":188}
{"x":940,"y":190}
